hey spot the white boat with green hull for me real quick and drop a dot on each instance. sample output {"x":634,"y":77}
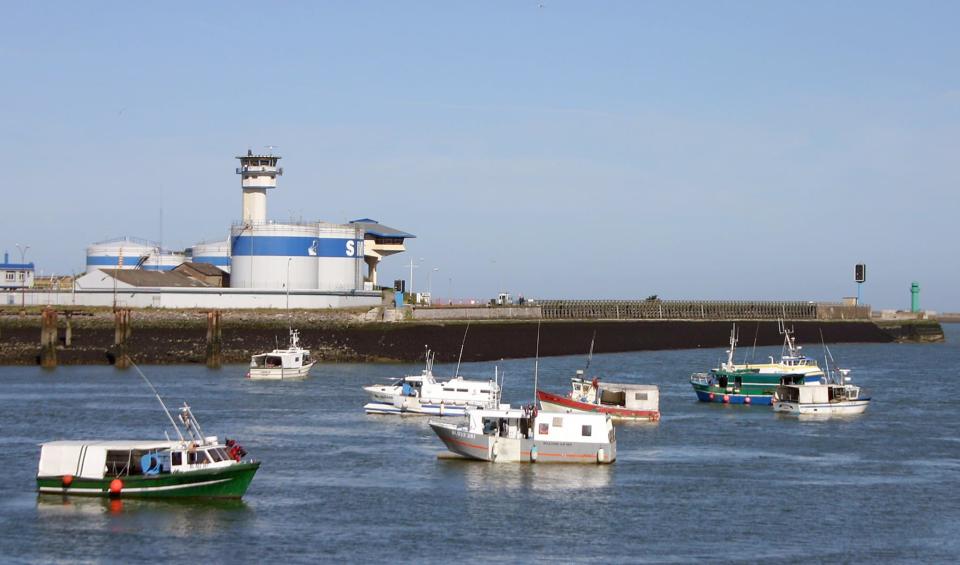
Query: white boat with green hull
{"x":294,"y":362}
{"x":193,"y":465}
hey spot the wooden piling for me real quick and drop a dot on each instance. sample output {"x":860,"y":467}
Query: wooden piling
{"x":121,"y":334}
{"x":214,"y":340}
{"x":68,"y":334}
{"x":48,"y":338}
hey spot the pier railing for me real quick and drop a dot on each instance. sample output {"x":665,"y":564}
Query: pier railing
{"x":699,"y":310}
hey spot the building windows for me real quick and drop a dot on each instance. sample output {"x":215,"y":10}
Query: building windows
{"x":9,"y":275}
{"x":20,"y":275}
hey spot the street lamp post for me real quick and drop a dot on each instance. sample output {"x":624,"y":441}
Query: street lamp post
{"x":23,"y":287}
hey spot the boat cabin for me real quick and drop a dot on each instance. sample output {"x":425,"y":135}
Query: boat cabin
{"x":628,"y":396}
{"x":280,"y":359}
{"x":545,"y":426}
{"x":98,"y":460}
{"x":817,"y":394}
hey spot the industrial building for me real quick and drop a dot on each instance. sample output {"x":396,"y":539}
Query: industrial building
{"x":15,"y":275}
{"x":270,"y":263}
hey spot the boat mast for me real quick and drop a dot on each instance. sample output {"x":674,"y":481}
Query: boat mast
{"x":590,"y":355}
{"x":536,"y":367}
{"x":157,"y":394}
{"x":462,"y":343}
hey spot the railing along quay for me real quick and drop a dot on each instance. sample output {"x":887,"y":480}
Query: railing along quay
{"x":699,"y":310}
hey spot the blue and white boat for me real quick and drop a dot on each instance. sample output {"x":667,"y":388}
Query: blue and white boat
{"x":424,"y":394}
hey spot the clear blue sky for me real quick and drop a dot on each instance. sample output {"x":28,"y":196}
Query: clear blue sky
{"x":718,"y":150}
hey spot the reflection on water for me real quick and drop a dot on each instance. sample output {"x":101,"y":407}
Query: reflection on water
{"x":176,"y":518}
{"x":490,"y":478}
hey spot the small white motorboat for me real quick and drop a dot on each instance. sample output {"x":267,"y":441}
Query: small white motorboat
{"x":833,"y":395}
{"x":424,"y":394}
{"x":294,"y":362}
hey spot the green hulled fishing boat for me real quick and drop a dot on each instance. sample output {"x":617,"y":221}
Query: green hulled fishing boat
{"x":755,"y":383}
{"x":193,"y":465}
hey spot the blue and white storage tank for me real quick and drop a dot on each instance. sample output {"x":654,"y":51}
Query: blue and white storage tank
{"x":339,"y":252}
{"x":131,"y":253}
{"x":214,"y":252}
{"x":313,"y":256}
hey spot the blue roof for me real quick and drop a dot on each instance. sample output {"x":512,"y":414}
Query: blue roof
{"x":15,"y":266}
{"x":377,"y":229}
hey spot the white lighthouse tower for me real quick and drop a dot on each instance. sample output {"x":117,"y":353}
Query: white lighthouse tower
{"x":257,"y":174}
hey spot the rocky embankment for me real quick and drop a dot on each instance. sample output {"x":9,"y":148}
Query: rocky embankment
{"x":174,"y":336}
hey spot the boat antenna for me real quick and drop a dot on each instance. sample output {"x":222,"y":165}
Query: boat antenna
{"x":590,"y":355}
{"x":157,"y":394}
{"x":536,"y":366}
{"x":756,"y":334}
{"x":462,"y":343}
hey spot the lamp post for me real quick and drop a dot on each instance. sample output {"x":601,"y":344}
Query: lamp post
{"x":23,"y":287}
{"x":23,"y":252}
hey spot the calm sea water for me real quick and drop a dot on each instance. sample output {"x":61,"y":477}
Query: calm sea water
{"x":708,"y":482}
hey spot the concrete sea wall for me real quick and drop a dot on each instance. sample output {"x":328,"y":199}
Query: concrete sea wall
{"x":171,"y":336}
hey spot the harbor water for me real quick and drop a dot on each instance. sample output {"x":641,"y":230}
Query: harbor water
{"x":708,"y":482}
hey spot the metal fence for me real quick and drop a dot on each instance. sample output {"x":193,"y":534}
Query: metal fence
{"x":698,"y":310}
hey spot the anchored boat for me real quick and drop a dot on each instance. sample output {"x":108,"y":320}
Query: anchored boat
{"x":623,"y":402}
{"x":749,"y":383}
{"x":294,"y":362}
{"x":424,"y":394}
{"x":193,"y":465}
{"x":835,"y":396}
{"x":526,"y":435}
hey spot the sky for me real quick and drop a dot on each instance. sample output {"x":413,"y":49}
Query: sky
{"x":693,"y":150}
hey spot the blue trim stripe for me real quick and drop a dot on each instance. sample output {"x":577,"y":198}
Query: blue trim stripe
{"x":218,"y":261}
{"x":294,"y":246}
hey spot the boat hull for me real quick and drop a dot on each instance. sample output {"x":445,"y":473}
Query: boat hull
{"x":221,"y":482}
{"x":555,"y":402}
{"x":494,"y":449}
{"x":415,"y":409}
{"x":846,"y":408}
{"x":279,"y":374}
{"x":721,"y":396}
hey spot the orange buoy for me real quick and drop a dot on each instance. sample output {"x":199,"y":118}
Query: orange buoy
{"x":67,"y":480}
{"x":746,"y":400}
{"x":712,"y":396}
{"x":116,"y":485}
{"x":726,"y":398}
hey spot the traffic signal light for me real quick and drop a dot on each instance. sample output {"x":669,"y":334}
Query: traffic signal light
{"x":860,"y":272}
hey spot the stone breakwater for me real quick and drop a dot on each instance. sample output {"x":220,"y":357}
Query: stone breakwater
{"x":172,"y":336}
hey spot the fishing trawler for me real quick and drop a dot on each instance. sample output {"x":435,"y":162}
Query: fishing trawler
{"x":294,"y":362}
{"x":521,"y":435}
{"x":623,"y":402}
{"x":423,"y":394}
{"x":193,"y":465}
{"x":750,"y":383}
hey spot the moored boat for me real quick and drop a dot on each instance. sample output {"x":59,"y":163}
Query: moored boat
{"x":623,"y":402}
{"x":423,"y":394}
{"x":835,"y":395}
{"x":294,"y":362}
{"x":755,"y":383}
{"x":518,"y":435}
{"x":191,"y":466}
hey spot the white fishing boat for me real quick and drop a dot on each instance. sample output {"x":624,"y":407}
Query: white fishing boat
{"x":424,"y":394}
{"x":294,"y":362}
{"x":834,"y":395}
{"x":525,"y":435}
